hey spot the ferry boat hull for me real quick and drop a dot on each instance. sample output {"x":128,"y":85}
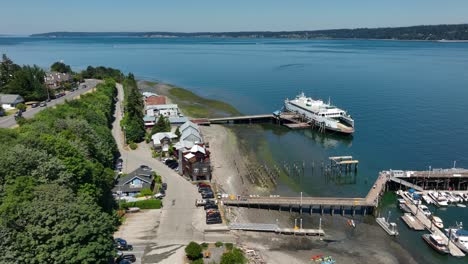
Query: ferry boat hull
{"x":320,"y":114}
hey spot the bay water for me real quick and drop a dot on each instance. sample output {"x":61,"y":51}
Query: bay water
{"x":409,"y":99}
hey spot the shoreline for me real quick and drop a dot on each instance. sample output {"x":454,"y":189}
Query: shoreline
{"x":230,"y":162}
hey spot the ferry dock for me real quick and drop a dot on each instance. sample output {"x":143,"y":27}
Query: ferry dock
{"x":287,"y":119}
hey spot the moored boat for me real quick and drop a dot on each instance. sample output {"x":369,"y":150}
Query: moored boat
{"x":322,"y":114}
{"x":390,"y":228}
{"x":436,"y":242}
{"x":459,"y":237}
{"x":436,"y":221}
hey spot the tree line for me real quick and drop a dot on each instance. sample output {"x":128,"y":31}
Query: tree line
{"x":55,"y":183}
{"x":422,"y":32}
{"x":29,"y":81}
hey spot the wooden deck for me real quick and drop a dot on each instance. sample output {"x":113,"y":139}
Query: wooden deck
{"x":412,"y":222}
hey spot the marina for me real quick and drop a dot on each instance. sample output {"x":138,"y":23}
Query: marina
{"x":412,"y":222}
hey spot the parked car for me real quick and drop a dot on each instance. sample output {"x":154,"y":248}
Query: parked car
{"x":211,"y":206}
{"x":145,"y":167}
{"x":34,"y":105}
{"x":207,"y":195}
{"x":201,"y":184}
{"x":48,"y":100}
{"x":159,"y":195}
{"x":204,"y":189}
{"x":129,"y":257}
{"x":164,"y":186}
{"x":43,"y":104}
{"x":169,"y":161}
{"x":213,"y":220}
{"x":121,"y":244}
{"x":123,"y":261}
{"x":173,"y":165}
{"x":18,"y":115}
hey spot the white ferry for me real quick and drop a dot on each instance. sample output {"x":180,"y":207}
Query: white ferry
{"x":321,"y":114}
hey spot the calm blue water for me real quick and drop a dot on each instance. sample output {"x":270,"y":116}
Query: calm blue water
{"x":409,"y":99}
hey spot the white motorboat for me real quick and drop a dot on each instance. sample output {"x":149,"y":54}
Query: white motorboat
{"x":427,"y":199}
{"x":438,"y":198}
{"x":459,"y":237}
{"x":390,"y":228}
{"x":437,"y":221}
{"x":425,"y":210}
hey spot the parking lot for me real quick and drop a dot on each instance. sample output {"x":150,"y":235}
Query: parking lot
{"x":140,"y":229}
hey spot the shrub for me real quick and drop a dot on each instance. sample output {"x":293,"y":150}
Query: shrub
{"x":234,"y":256}
{"x":145,"y":192}
{"x":204,"y":245}
{"x":144,"y":204}
{"x":133,"y":145}
{"x":229,"y":246}
{"x":21,"y":107}
{"x":219,"y":244}
{"x":198,"y":261}
{"x":193,"y":251}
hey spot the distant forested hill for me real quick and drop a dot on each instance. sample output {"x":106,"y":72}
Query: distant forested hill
{"x":429,"y":32}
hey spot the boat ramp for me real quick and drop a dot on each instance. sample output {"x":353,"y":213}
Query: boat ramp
{"x":273,"y":228}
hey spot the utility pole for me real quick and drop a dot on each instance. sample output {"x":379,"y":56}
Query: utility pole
{"x":301,"y":224}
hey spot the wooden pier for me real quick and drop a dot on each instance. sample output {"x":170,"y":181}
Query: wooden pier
{"x":287,"y":119}
{"x":412,"y":222}
{"x":343,"y":162}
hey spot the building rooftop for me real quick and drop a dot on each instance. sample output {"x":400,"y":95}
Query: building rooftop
{"x":155,"y":100}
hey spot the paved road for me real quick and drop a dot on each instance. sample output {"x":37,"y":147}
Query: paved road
{"x":9,"y":121}
{"x":179,"y":218}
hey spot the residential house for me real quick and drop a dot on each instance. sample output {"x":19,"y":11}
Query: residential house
{"x":10,"y":101}
{"x":177,"y":120}
{"x":148,"y":94}
{"x":162,"y":140}
{"x":149,"y":121}
{"x":191,"y":135}
{"x":187,"y":125}
{"x":166,"y":110}
{"x":56,"y":80}
{"x":196,"y":163}
{"x":155,"y":100}
{"x":134,"y":182}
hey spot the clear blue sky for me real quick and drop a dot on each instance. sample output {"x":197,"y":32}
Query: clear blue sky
{"x":33,"y":16}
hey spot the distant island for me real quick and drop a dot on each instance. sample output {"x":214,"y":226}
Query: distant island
{"x":423,"y":32}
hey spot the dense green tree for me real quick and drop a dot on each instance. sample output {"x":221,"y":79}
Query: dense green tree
{"x":61,"y":67}
{"x":21,"y":107}
{"x":52,"y":225}
{"x":102,"y":73}
{"x":133,"y":119}
{"x":177,"y":133}
{"x":7,"y":70}
{"x":234,"y":256}
{"x":162,"y":125}
{"x":29,"y":83}
{"x":193,"y":250}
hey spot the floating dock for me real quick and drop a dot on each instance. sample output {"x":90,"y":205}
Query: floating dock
{"x":412,"y":222}
{"x":345,"y":162}
{"x":419,"y":215}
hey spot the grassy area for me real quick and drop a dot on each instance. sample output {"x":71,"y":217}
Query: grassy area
{"x":195,"y":106}
{"x":144,"y":204}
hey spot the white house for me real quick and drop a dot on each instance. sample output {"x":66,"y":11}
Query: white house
{"x":10,"y":101}
{"x":166,"y":110}
{"x":163,"y":140}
